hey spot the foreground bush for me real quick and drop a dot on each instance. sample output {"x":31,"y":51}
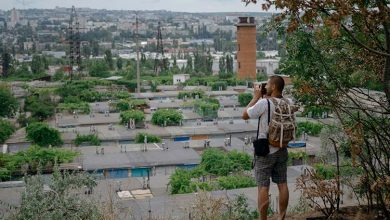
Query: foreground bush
{"x":214,"y":163}
{"x":6,"y":130}
{"x":30,"y":160}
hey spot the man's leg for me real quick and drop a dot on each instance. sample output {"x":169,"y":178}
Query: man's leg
{"x":283,"y":200}
{"x":262,"y":201}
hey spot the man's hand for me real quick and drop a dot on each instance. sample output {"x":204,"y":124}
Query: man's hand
{"x":257,"y":92}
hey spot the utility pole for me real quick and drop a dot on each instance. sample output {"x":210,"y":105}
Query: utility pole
{"x":137,"y":42}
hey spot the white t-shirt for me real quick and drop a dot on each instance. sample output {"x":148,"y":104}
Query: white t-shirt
{"x":261,"y":109}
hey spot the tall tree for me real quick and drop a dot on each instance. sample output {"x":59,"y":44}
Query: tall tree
{"x":8,"y":103}
{"x":37,"y":65}
{"x":119,"y":63}
{"x":6,"y":62}
{"x":108,"y":59}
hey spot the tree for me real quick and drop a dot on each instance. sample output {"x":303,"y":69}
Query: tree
{"x":119,"y":63}
{"x":6,"y":62}
{"x":37,"y":64}
{"x":40,"y":107}
{"x":108,"y":59}
{"x":40,"y":133}
{"x":95,"y":48}
{"x":8,"y":103}
{"x":59,"y":200}
{"x":6,"y":130}
{"x":99,"y":69}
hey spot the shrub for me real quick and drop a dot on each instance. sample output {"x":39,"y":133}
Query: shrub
{"x":207,"y":107}
{"x":33,"y":156}
{"x":309,"y":127}
{"x":122,"y":105}
{"x":40,"y":108}
{"x":180,"y":181}
{"x":236,"y":181}
{"x":191,"y":94}
{"x":170,"y":117}
{"x":137,"y":115}
{"x":239,"y":160}
{"x":140,"y":138}
{"x":6,"y":130}
{"x":92,"y":139}
{"x":219,"y":84}
{"x":297,"y":155}
{"x":138,"y":104}
{"x":41,"y":134}
{"x":244,"y":99}
{"x":82,"y":107}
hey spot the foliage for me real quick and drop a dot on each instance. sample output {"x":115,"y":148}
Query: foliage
{"x":138,"y":104}
{"x":137,"y":115}
{"x":8,"y":103}
{"x":180,"y":181}
{"x":322,"y":193}
{"x":99,"y":69}
{"x":310,"y":128}
{"x":244,"y":98}
{"x":167,"y":117}
{"x":207,"y":107}
{"x":6,"y":64}
{"x":122,"y":105}
{"x":59,"y":75}
{"x":41,"y":107}
{"x":140,"y":138}
{"x":235,"y":182}
{"x":81,"y":107}
{"x":214,"y":162}
{"x":62,"y":200}
{"x":34,"y":157}
{"x":92,"y":139}
{"x":41,"y":134}
{"x":6,"y":130}
{"x":191,"y":94}
{"x":261,"y":77}
{"x":219,"y":85}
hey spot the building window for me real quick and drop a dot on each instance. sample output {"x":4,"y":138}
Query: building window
{"x":239,"y":65}
{"x":238,"y":47}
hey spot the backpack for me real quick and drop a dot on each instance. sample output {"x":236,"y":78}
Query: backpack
{"x":282,"y":126}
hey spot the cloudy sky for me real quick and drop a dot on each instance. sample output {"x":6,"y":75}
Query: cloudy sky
{"x":171,"y":5}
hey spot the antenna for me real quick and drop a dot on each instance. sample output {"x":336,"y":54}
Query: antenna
{"x":159,"y":61}
{"x":137,"y":44}
{"x":74,"y":42}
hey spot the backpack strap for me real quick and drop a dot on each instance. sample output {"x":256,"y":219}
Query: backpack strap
{"x":258,"y":123}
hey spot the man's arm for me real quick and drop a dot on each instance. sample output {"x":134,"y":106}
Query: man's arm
{"x":256,"y":96}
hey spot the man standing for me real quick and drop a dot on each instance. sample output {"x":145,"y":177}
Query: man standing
{"x":273,"y":165}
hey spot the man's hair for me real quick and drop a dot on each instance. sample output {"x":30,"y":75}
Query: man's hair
{"x":278,"y":81}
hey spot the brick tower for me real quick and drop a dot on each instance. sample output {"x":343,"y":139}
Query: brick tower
{"x":246,"y":48}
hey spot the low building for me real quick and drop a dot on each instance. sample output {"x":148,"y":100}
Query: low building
{"x":267,"y":66}
{"x":180,"y":78}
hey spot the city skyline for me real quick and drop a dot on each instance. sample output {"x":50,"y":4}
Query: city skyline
{"x":169,"y":5}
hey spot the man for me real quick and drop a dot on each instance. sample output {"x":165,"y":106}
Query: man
{"x":274,"y":165}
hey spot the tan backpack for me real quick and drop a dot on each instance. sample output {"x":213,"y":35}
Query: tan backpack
{"x":282,"y":126}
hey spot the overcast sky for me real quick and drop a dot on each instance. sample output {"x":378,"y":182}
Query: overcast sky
{"x":171,"y":5}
